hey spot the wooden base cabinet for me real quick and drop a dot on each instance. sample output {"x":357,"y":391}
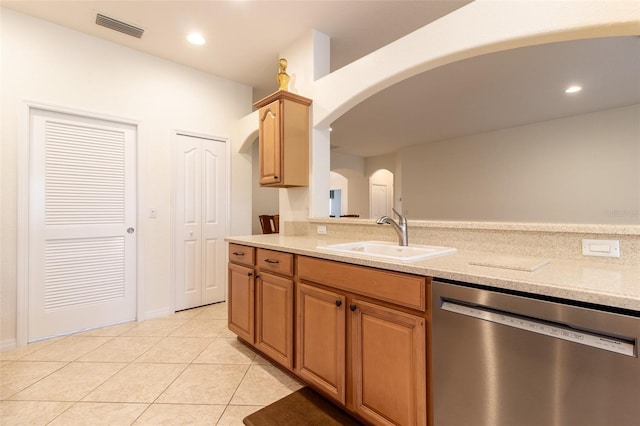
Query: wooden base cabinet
{"x":359,"y":342}
{"x":360,"y":333}
{"x":321,"y":355}
{"x":261,"y":298}
{"x":274,"y":318}
{"x":241,"y":301}
{"x":274,"y":305}
{"x":389,"y":365}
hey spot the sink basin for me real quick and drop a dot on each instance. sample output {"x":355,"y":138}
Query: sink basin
{"x":389,"y":251}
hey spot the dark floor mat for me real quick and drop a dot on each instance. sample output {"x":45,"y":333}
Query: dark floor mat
{"x":303,"y":407}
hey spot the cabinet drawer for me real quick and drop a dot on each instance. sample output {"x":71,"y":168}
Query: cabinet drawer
{"x":395,"y":287}
{"x":275,"y":261}
{"x":241,"y":254}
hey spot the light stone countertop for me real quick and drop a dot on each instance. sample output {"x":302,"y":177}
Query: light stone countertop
{"x":603,"y":284}
{"x":502,"y":226}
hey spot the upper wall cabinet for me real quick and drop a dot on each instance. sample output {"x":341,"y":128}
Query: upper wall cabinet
{"x":284,"y":140}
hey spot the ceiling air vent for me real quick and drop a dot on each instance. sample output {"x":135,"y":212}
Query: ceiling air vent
{"x":119,"y":26}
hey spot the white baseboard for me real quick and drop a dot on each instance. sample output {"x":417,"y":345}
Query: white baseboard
{"x":159,"y":313}
{"x":7,"y":345}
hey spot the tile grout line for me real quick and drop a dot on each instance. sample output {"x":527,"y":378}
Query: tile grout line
{"x":235,"y":391}
{"x":37,"y":381}
{"x":197,"y":331}
{"x":187,"y":365}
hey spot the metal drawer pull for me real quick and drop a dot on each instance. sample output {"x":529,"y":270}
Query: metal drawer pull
{"x":237,"y":253}
{"x":272,"y":261}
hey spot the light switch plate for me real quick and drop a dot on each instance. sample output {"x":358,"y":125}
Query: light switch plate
{"x":601,"y":248}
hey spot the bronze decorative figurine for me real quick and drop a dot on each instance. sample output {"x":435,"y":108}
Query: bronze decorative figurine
{"x":283,"y":77}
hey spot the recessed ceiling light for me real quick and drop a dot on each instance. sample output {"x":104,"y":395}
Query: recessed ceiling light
{"x":196,"y":38}
{"x":573,"y":89}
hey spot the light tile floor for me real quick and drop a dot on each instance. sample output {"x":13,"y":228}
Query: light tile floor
{"x":184,"y":369}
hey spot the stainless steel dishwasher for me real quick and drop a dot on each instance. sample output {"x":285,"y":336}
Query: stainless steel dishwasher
{"x":511,"y":359}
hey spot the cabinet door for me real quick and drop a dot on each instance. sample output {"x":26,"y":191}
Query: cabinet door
{"x":389,"y":365}
{"x":270,"y":148}
{"x":241,"y":301}
{"x":321,"y":339}
{"x":274,"y":318}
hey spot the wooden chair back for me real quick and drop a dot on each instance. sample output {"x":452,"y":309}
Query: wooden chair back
{"x":268,"y":224}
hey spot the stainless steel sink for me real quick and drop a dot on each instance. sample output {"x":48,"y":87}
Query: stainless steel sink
{"x":388,"y":250}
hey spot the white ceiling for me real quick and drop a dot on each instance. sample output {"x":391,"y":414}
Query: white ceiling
{"x":244,"y":38}
{"x":494,"y":91}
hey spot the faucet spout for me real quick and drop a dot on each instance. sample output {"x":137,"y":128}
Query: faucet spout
{"x":400,"y":227}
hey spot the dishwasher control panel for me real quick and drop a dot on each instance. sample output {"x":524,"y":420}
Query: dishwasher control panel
{"x":540,"y":326}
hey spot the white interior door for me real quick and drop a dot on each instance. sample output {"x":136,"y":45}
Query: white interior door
{"x":379,"y":203}
{"x":82,"y":202}
{"x":380,"y":193}
{"x":201,"y":221}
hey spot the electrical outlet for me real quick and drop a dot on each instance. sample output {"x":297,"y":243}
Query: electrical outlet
{"x":322,"y":229}
{"x":602,"y":248}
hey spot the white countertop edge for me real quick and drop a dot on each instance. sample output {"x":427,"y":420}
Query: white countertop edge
{"x":577,"y":228}
{"x":492,"y":277}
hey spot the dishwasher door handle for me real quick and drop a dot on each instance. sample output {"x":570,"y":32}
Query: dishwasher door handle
{"x":540,"y":326}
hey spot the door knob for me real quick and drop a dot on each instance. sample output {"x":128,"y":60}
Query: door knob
{"x":338,"y":303}
{"x":130,"y":230}
{"x":353,"y":308}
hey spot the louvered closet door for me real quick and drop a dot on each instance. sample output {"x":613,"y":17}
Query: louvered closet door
{"x":82,"y":238}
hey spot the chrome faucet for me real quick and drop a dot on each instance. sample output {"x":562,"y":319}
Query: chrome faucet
{"x":400,"y":227}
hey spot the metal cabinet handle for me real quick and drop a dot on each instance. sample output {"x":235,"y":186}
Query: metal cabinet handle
{"x":237,"y":253}
{"x":130,"y":230}
{"x":353,"y":308}
{"x":273,"y":262}
{"x":338,"y":303}
{"x":249,"y":274}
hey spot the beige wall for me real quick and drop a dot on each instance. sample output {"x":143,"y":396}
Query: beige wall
{"x":581,"y":169}
{"x":353,"y":169}
{"x":47,"y":64}
{"x":358,"y":172}
{"x":264,"y":200}
{"x":380,"y":162}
